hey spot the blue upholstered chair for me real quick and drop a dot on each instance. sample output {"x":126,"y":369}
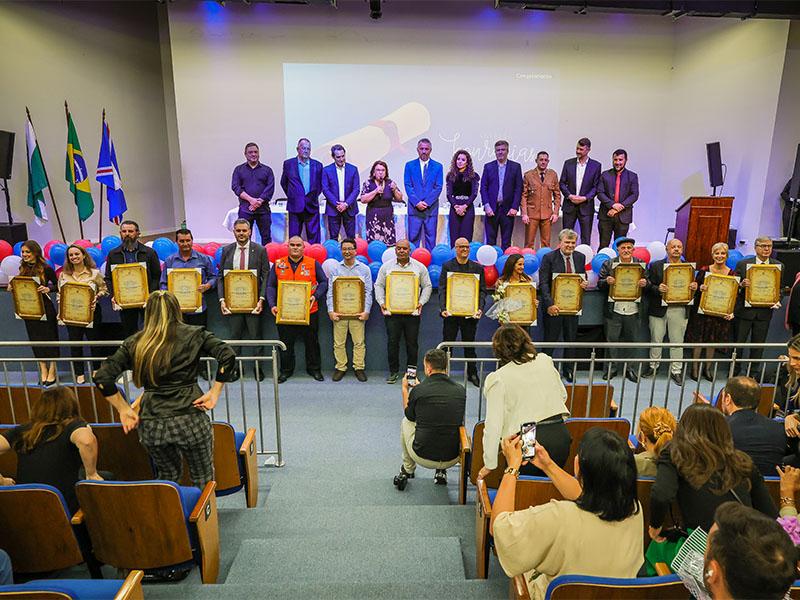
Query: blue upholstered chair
{"x":565,"y":587}
{"x":129,"y":588}
{"x":236,"y":462}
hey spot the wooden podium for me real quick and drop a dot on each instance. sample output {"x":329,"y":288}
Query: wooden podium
{"x":701,"y":222}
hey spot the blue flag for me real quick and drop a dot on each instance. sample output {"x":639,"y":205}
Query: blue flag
{"x":108,"y":175}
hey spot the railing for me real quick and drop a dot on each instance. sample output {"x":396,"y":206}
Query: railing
{"x":634,"y":396}
{"x":19,"y":376}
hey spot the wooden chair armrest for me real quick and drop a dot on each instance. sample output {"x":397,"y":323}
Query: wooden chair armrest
{"x":483,"y":514}
{"x":249,"y":438}
{"x":205,"y":495}
{"x":518,"y":589}
{"x":132,"y":587}
{"x":205,"y":518}
{"x":249,"y":451}
{"x":484,"y":504}
{"x":77,"y":518}
{"x":464,"y":442}
{"x":662,"y":569}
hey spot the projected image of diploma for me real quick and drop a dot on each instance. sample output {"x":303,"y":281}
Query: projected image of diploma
{"x":402,"y":292}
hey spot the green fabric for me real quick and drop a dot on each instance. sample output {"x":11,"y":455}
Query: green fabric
{"x":77,"y":174}
{"x":37,"y":179}
{"x":663,"y":552}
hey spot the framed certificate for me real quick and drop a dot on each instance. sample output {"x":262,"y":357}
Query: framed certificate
{"x":626,"y":285}
{"x":185,"y":284}
{"x":402,"y":292}
{"x":241,"y":290}
{"x":719,"y":297}
{"x":348,"y":297}
{"x":678,"y":277}
{"x":130,"y":284}
{"x":568,"y":293}
{"x":28,"y":303}
{"x":75,"y":304}
{"x":294,"y":302}
{"x":523,"y":295}
{"x":765,"y":285}
{"x":463,"y":291}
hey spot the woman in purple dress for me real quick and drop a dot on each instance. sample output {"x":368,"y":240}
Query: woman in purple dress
{"x":378,"y":194}
{"x":462,"y":189}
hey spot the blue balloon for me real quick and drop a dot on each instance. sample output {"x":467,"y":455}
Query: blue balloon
{"x":499,"y":251}
{"x":375,"y":250}
{"x":109,"y":243}
{"x":218,"y":255}
{"x":95,"y":253}
{"x":362,"y":259}
{"x":412,"y":246}
{"x":441,"y":253}
{"x":501,"y":263}
{"x":163,"y":248}
{"x":435,"y":272}
{"x":473,"y":250}
{"x":18,"y":248}
{"x":374,"y":267}
{"x":597,"y":262}
{"x":333,"y":249}
{"x":541,"y":252}
{"x":531,"y":263}
{"x":58,"y":254}
{"x":734,"y":256}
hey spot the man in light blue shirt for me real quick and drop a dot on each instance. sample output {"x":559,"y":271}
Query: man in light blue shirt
{"x":188,"y":258}
{"x":342,"y":324}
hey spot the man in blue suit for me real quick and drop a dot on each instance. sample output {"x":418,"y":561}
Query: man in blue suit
{"x":423,"y":180}
{"x":580,"y":178}
{"x":501,"y":192}
{"x":301,"y":181}
{"x":340,"y":185}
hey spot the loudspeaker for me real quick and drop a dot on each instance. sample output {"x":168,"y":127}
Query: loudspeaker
{"x":791,"y":264}
{"x":714,"y":164}
{"x":794,"y":188}
{"x":6,"y":153}
{"x":13,"y":232}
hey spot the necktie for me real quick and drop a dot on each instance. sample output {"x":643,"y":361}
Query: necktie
{"x":241,"y":258}
{"x":568,"y":264}
{"x":616,"y":189}
{"x":541,"y":174}
{"x":424,"y":172}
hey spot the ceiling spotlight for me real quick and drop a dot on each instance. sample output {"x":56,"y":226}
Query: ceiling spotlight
{"x":375,"y":9}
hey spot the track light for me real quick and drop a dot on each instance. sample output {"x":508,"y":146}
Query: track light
{"x":375,"y":9}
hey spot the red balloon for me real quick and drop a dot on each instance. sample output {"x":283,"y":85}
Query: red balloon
{"x":48,"y":245}
{"x":317,"y":252}
{"x":589,"y":266}
{"x":5,"y":249}
{"x":490,"y":274}
{"x":283,"y":251}
{"x":58,"y":271}
{"x":82,"y":243}
{"x":361,"y":247}
{"x":273,"y":251}
{"x":211,"y":248}
{"x":512,"y":250}
{"x":422,"y":255}
{"x":199,"y":248}
{"x":642,"y":253}
{"x":525,"y":251}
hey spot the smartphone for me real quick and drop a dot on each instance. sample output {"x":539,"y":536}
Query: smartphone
{"x":527,"y":434}
{"x":411,"y":376}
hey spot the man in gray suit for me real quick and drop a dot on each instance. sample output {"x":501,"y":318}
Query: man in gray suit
{"x":244,"y":254}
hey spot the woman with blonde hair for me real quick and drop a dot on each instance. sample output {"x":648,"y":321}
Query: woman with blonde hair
{"x":165,"y":359}
{"x":656,"y":428}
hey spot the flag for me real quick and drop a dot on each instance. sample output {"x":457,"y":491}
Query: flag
{"x":76,"y":173}
{"x":108,"y":175}
{"x":37,"y":178}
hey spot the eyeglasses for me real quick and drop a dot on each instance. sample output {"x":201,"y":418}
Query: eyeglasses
{"x":763,"y":245}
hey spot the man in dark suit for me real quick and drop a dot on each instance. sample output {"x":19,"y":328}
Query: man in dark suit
{"x":301,"y":181}
{"x":617,"y":192}
{"x":671,"y":320}
{"x":340,"y":186}
{"x":751,"y":322}
{"x":786,"y":214}
{"x":580,"y":177}
{"x":423,"y":179}
{"x":501,"y":193}
{"x":244,"y":254}
{"x":563,"y":259}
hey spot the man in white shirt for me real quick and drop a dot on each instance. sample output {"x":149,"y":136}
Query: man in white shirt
{"x":340,"y":186}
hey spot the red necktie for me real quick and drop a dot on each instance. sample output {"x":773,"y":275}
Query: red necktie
{"x":241,"y":258}
{"x":616,"y":189}
{"x":568,"y":264}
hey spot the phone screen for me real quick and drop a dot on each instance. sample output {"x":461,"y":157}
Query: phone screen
{"x":528,"y":436}
{"x":411,"y":376}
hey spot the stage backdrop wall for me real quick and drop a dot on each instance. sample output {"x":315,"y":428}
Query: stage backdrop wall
{"x":467,"y":76}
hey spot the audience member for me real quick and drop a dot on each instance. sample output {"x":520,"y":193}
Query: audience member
{"x":525,"y":387}
{"x":462,"y":189}
{"x":188,"y":258}
{"x":792,"y":319}
{"x":422,"y":178}
{"x":253,"y":183}
{"x":656,"y":428}
{"x":6,"y":570}
{"x":165,"y":359}
{"x":790,"y":484}
{"x":378,"y":193}
{"x":541,"y":201}
{"x":748,"y":555}
{"x":340,"y":186}
{"x":792,"y":421}
{"x":701,"y":469}
{"x":434,"y":410}
{"x":597,"y":528}
{"x":54,"y":446}
{"x":301,"y":180}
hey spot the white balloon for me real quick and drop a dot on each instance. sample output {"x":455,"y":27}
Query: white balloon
{"x":586,"y":251}
{"x":657,"y":250}
{"x":388,"y":255}
{"x":486,"y":255}
{"x":608,"y":252}
{"x":3,"y":278}
{"x":10,"y":265}
{"x":592,"y":278}
{"x":149,"y":244}
{"x":102,"y":268}
{"x":535,"y":279}
{"x":328,"y":265}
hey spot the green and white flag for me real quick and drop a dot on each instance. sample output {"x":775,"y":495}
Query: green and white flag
{"x":37,"y":179}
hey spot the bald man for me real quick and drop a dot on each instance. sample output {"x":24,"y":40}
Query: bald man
{"x":670,"y":320}
{"x":452,"y":324}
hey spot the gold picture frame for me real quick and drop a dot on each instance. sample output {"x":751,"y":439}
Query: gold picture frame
{"x":241,"y":290}
{"x":28,"y":302}
{"x":348,"y":296}
{"x":75,"y":304}
{"x":764,"y":290}
{"x":294,"y":302}
{"x":678,"y":277}
{"x":719,"y":297}
{"x":463,"y":293}
{"x":185,"y":285}
{"x":402,"y":292}
{"x":525,"y":293}
{"x":130,"y":285}
{"x":568,"y":293}
{"x":626,"y":285}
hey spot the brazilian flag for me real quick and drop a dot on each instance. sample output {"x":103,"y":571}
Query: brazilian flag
{"x":77,"y":174}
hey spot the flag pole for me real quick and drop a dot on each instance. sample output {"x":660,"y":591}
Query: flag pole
{"x":74,"y":185}
{"x":49,"y":188}
{"x":100,"y":220}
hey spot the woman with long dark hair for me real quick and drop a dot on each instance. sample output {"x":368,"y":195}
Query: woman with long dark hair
{"x":165,"y":359}
{"x":595,"y":530}
{"x":34,"y":265}
{"x":462,"y":189}
{"x":378,"y":194}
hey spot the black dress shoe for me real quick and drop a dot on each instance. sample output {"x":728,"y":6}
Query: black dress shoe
{"x":338,"y":375}
{"x":440,"y":477}
{"x":677,"y":378}
{"x":474,"y":379}
{"x":283,"y":377}
{"x":610,"y":374}
{"x":566,"y":375}
{"x":631,"y":375}
{"x":360,"y":375}
{"x":317,"y":375}
{"x":651,"y":372}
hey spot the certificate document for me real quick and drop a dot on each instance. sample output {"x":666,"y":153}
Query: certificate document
{"x":130,"y":284}
{"x":765,"y":285}
{"x":28,"y":303}
{"x":463,"y":291}
{"x":348,"y":297}
{"x":185,"y":284}
{"x":522,"y":296}
{"x":626,"y":285}
{"x":241,"y":290}
{"x":678,"y":277}
{"x":294,"y":302}
{"x":75,"y":304}
{"x":719,"y":297}
{"x":402,"y":292}
{"x":568,"y":293}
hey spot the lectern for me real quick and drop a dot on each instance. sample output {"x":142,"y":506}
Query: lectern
{"x":701,"y":222}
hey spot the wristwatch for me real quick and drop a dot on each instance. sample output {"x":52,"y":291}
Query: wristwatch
{"x":511,"y":471}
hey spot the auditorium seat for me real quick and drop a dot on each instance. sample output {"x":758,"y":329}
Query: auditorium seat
{"x":584,"y":587}
{"x":774,"y":488}
{"x":92,"y":406}
{"x":530,"y":491}
{"x":600,"y":404}
{"x":8,"y":460}
{"x":152,"y":525}
{"x":472,"y":455}
{"x":129,"y":588}
{"x":766,"y":400}
{"x":121,"y":454}
{"x":578,"y":427}
{"x":36,"y":529}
